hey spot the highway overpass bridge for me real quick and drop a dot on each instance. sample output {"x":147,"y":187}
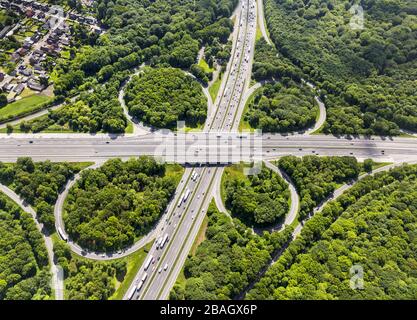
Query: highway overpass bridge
{"x":201,"y":148}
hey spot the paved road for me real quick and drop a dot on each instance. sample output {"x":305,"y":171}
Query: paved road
{"x":59,"y":224}
{"x":217,"y":193}
{"x":261,"y":20}
{"x":159,"y":281}
{"x":198,"y":148}
{"x":295,"y":199}
{"x":57,"y":277}
{"x":138,"y":128}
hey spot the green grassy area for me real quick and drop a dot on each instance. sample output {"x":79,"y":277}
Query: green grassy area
{"x":201,"y":236}
{"x":258,"y":33}
{"x":406,"y":135}
{"x":24,"y":105}
{"x":58,"y":129}
{"x":244,"y":125}
{"x":198,"y":128}
{"x":215,"y":87}
{"x":27,"y":92}
{"x":133,"y":261}
{"x":176,"y":171}
{"x":203,"y":64}
{"x":129,"y":128}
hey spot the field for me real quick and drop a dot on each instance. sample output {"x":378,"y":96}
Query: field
{"x":23,"y":106}
{"x":203,"y":64}
{"x":214,"y":88}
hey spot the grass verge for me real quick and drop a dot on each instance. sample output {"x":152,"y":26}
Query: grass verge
{"x":22,"y":106}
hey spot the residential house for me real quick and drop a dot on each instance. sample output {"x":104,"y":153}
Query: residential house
{"x":19,"y":88}
{"x":7,"y":87}
{"x":22,"y":51}
{"x":35,"y":85}
{"x":15,"y":57}
{"x":29,"y":13}
{"x":26,"y":72}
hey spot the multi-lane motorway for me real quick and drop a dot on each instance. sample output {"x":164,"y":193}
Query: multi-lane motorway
{"x":219,"y":143}
{"x":183,"y":223}
{"x":102,"y":147}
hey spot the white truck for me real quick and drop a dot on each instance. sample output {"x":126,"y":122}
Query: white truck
{"x":187,"y":194}
{"x":148,"y":262}
{"x":164,"y":240}
{"x":62,"y":234}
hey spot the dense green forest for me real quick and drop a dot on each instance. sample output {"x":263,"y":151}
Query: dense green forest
{"x":367,"y":76}
{"x":269,"y":64}
{"x":164,"y":33}
{"x":38,"y":183}
{"x":86,"y":279}
{"x":110,"y":207}
{"x":373,"y":225}
{"x":94,"y":111}
{"x":161,"y":97}
{"x":257,"y":200}
{"x":228,"y":259}
{"x":24,"y":269}
{"x":282,"y":107}
{"x":317,"y":177}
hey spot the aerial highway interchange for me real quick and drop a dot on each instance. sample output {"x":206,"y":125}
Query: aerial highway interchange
{"x":203,"y":153}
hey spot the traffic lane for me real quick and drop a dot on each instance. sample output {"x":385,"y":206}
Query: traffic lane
{"x":170,"y":281}
{"x":163,"y":226}
{"x":170,"y":227}
{"x":201,"y":140}
{"x":389,"y":155}
{"x":180,"y":238}
{"x":159,"y":281}
{"x":173,"y":237}
{"x":89,"y":150}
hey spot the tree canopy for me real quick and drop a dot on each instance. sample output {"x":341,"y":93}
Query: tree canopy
{"x":86,"y":279}
{"x":373,"y":226}
{"x":317,"y":177}
{"x":367,"y":76}
{"x":228,"y":259}
{"x":282,"y":107}
{"x":24,"y":273}
{"x":259,"y":200}
{"x":161,"y":97}
{"x":38,"y":183}
{"x":110,"y":207}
